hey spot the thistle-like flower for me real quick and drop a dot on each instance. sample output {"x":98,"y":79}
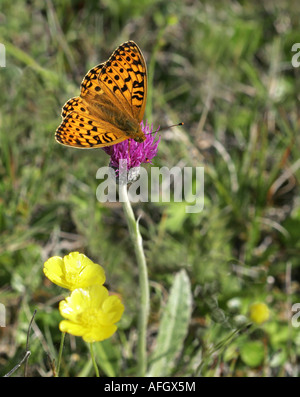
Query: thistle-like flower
{"x":133,"y":153}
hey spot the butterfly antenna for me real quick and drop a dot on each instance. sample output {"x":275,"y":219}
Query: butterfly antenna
{"x":165,"y":128}
{"x":170,"y":126}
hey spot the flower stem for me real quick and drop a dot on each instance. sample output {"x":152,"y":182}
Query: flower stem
{"x":61,"y":347}
{"x":137,"y":241}
{"x":94,"y":360}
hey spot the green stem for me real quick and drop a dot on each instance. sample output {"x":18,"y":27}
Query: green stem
{"x":94,"y":361}
{"x":61,"y":347}
{"x":137,"y":241}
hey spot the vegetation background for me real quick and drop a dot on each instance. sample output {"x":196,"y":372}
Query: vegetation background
{"x":224,"y":69}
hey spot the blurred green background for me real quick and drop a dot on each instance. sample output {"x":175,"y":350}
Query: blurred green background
{"x":224,"y":69}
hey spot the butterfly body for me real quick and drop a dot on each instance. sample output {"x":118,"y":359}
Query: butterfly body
{"x":125,"y":123}
{"x":111,"y":104}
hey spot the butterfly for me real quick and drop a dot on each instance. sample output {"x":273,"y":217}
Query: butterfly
{"x":111,"y":104}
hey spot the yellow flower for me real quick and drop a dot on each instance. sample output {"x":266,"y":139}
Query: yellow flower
{"x":259,"y":313}
{"x":73,"y":271}
{"x":90,"y":313}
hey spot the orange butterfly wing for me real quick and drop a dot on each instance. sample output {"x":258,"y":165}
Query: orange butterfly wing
{"x":124,"y":77}
{"x":80,"y":129}
{"x":111,"y":103}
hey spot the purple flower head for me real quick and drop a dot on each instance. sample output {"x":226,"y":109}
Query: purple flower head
{"x":133,"y":152}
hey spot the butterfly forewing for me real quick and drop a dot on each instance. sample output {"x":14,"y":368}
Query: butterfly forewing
{"x":113,"y":95}
{"x":125,"y":76}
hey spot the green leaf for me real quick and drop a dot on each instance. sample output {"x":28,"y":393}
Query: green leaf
{"x":176,"y":215}
{"x":252,"y":353}
{"x":108,"y":357}
{"x":278,"y":359}
{"x":173,"y":327}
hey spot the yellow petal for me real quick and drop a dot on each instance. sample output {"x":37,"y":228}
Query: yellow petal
{"x":99,"y":334}
{"x":54,"y":271}
{"x":74,"y":271}
{"x":113,"y":309}
{"x":97,"y":295}
{"x":259,"y":312}
{"x":75,"y":304}
{"x":71,"y":328}
{"x":91,"y":313}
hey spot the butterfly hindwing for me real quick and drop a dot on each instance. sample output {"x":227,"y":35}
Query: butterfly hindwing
{"x":80,"y":129}
{"x":90,"y":85}
{"x":74,"y":104}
